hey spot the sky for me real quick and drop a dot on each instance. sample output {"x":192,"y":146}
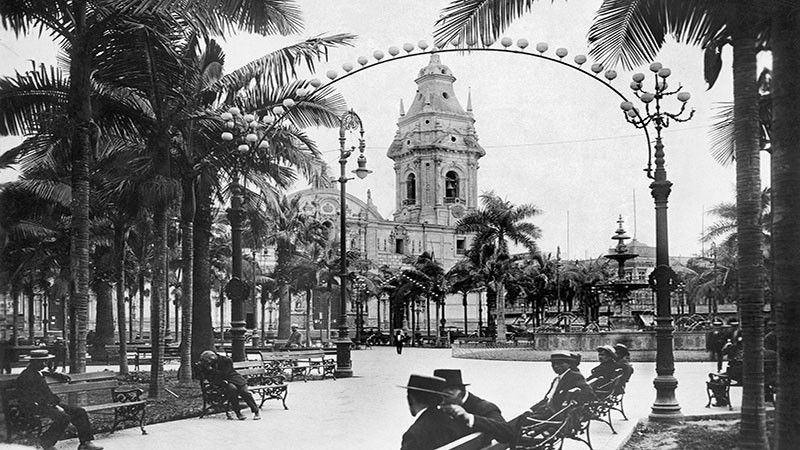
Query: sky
{"x":553,"y":137}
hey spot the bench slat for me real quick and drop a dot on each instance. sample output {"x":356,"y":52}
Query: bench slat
{"x":92,"y":408}
{"x":81,"y":387}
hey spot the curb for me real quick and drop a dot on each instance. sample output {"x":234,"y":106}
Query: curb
{"x":627,"y":437}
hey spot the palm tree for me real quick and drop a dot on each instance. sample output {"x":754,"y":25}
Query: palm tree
{"x":463,"y":278}
{"x":633,"y":32}
{"x":495,"y":222}
{"x":786,"y":230}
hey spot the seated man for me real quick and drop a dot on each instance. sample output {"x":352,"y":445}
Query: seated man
{"x":40,"y":399}
{"x":606,"y":371}
{"x":218,"y":370}
{"x":568,"y":386}
{"x":623,"y":364}
{"x":476,"y":413}
{"x":295,"y":339}
{"x":433,"y":427}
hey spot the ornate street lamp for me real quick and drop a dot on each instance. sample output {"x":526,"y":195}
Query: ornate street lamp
{"x":250,"y":136}
{"x":665,"y":406}
{"x":349,"y":121}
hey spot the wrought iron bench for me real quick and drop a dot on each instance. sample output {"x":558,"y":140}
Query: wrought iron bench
{"x":25,"y":425}
{"x":264,"y":380}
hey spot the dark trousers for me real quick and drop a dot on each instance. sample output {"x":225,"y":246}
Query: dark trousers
{"x":77,"y":416}
{"x":233,"y":392}
{"x":717,"y":355}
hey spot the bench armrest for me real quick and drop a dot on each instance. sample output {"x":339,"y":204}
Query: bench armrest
{"x":126,"y":394}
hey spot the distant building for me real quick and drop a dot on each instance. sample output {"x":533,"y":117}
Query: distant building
{"x":435,"y":152}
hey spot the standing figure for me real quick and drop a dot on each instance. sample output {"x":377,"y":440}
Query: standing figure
{"x":218,"y":370}
{"x":715,"y":340}
{"x":295,"y":339}
{"x":399,"y":340}
{"x":433,"y":428}
{"x":39,"y":399}
{"x":477,"y":413}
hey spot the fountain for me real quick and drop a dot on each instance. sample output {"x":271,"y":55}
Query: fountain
{"x":620,"y":287}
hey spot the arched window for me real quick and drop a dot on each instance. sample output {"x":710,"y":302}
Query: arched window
{"x":451,"y":185}
{"x":411,"y":189}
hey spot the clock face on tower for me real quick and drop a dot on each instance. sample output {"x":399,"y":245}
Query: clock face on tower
{"x":457,"y":211}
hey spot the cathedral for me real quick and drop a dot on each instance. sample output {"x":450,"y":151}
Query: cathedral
{"x":435,"y":152}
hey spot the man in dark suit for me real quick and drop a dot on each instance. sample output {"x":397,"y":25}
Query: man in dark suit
{"x":295,"y":339}
{"x":568,"y":385}
{"x":40,"y":399}
{"x":477,"y":413}
{"x":606,"y":371}
{"x":218,"y":370}
{"x":433,"y":428}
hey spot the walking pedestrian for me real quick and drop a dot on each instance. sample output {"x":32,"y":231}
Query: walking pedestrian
{"x":399,"y":340}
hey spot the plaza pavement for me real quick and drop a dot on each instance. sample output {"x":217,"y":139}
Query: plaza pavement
{"x":369,"y":411}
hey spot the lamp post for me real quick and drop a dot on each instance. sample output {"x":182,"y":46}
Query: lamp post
{"x":348,"y":121}
{"x":250,"y":138}
{"x":665,"y":406}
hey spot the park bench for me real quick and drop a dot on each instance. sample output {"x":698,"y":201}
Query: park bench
{"x":170,"y":353}
{"x":719,"y":385}
{"x":25,"y":425}
{"x":539,"y":434}
{"x":264,"y":380}
{"x":302,"y":362}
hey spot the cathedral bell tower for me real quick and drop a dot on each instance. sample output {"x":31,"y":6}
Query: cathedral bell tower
{"x":435,"y":152}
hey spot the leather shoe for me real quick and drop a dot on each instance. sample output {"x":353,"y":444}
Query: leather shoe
{"x":256,"y":416}
{"x":89,"y":445}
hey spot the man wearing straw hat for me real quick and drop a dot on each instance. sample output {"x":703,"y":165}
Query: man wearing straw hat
{"x":433,"y":428}
{"x":604,"y":372}
{"x":40,"y":399}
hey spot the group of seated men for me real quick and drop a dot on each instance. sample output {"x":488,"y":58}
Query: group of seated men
{"x":446,"y":411}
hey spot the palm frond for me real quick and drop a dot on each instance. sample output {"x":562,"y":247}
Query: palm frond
{"x":27,"y":97}
{"x":480,"y":21}
{"x":280,"y":67}
{"x":721,"y":135}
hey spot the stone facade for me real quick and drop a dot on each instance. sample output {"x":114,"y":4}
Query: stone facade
{"x":435,"y":152}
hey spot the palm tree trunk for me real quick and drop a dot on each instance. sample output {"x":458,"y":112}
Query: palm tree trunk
{"x":104,"y":319}
{"x":158,"y":302}
{"x":81,"y":147}
{"x":501,"y":312}
{"x":187,"y":272}
{"x":140,"y":281}
{"x":749,"y":258}
{"x":464,"y":303}
{"x":284,"y":312}
{"x":786,"y":224}
{"x":202,"y":328}
{"x":31,"y":316}
{"x":309,"y":302}
{"x":119,"y":259}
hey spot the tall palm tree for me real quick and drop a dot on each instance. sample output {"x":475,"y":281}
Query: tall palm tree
{"x":632,"y":32}
{"x":786,"y":227}
{"x":496,"y":222}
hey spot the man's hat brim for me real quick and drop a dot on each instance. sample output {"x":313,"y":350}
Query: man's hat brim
{"x":423,"y":390}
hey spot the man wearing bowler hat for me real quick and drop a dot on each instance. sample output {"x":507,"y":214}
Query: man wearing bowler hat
{"x":433,"y":428}
{"x":40,"y":399}
{"x":477,"y":413}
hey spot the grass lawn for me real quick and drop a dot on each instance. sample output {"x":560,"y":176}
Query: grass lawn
{"x":695,"y":435}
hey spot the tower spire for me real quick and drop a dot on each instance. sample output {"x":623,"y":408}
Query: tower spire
{"x":402,"y":108}
{"x":469,"y":100}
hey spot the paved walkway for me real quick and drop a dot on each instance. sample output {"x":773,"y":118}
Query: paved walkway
{"x":369,"y":411}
